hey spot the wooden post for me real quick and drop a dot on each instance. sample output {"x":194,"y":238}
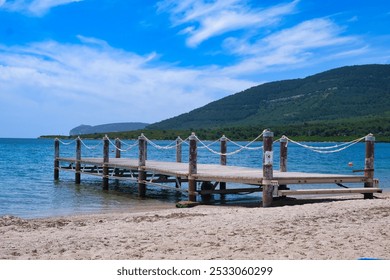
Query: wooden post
{"x":179,"y":150}
{"x":78,"y":158}
{"x":118,"y":146}
{"x":141,"y":165}
{"x":267,"y":167}
{"x":56,"y":161}
{"x":222,"y":185}
{"x":283,"y":158}
{"x":106,"y":159}
{"x":369,"y":165}
{"x":179,"y":145}
{"x":283,"y":154}
{"x":192,"y":167}
{"x":145,"y":148}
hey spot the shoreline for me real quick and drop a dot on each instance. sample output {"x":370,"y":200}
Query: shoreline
{"x":158,"y":205}
{"x":313,"y":228}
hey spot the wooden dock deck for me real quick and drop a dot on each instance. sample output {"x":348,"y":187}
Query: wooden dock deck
{"x":213,"y":177}
{"x":207,"y":172}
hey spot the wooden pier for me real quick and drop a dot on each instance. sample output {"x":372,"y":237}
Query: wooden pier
{"x":212,"y":178}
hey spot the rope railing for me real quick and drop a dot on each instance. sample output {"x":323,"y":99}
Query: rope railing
{"x":207,"y":147}
{"x":120,"y":149}
{"x":246,"y":147}
{"x":89,"y":147}
{"x":174,"y":144}
{"x":328,"y":149}
{"x":130,"y":146}
{"x":66,"y":143}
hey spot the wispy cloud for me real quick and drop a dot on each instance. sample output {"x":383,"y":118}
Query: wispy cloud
{"x":267,"y":39}
{"x":291,"y":46}
{"x":55,"y":79}
{"x":203,"y":20}
{"x":33,"y":7}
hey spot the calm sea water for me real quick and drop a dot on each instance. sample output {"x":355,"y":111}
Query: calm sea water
{"x":27,"y":188}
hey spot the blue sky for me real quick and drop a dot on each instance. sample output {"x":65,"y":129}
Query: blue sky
{"x":69,"y":62}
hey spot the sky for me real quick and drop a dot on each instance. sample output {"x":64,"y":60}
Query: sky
{"x":69,"y":62}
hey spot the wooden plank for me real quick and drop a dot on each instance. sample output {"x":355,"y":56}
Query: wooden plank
{"x":231,"y":191}
{"x":329,"y":191}
{"x":318,"y":180}
{"x":172,"y":168}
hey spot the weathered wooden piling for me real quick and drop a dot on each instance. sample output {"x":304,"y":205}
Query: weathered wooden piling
{"x":369,"y":164}
{"x":141,"y":165}
{"x":179,"y":149}
{"x":283,"y":153}
{"x":223,"y":159}
{"x":283,"y":158}
{"x":106,"y":159}
{"x":179,"y":156}
{"x":192,"y":167}
{"x":56,"y":161}
{"x":267,"y":168}
{"x":78,"y":159}
{"x":118,"y":147}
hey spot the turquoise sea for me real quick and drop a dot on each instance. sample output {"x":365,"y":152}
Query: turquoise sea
{"x":28,"y":190}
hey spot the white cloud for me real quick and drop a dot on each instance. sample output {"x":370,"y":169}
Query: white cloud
{"x":308,"y":34}
{"x":98,"y":84}
{"x":291,"y":46}
{"x":207,"y":19}
{"x":267,"y":38}
{"x":33,"y":7}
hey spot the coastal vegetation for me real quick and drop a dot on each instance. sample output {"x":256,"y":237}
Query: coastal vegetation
{"x":315,"y":131}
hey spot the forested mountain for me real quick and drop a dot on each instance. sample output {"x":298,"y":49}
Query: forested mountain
{"x":344,"y":96}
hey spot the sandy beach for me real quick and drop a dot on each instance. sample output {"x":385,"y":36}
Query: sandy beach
{"x":318,"y":229}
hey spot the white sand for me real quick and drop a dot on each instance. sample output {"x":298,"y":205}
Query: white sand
{"x":335,"y":229}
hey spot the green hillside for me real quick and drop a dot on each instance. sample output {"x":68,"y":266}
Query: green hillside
{"x":348,"y":98}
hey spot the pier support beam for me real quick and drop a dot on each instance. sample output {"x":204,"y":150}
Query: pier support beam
{"x":179,"y":149}
{"x":118,"y":146}
{"x":267,"y":168}
{"x":141,"y":165}
{"x":223,"y":160}
{"x":179,"y":152}
{"x":283,"y":158}
{"x":106,"y":159}
{"x":78,"y":159}
{"x":56,"y":161}
{"x":192,"y":167}
{"x":369,"y":164}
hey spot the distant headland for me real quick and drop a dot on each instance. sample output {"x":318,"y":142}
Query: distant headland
{"x":106,"y":128}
